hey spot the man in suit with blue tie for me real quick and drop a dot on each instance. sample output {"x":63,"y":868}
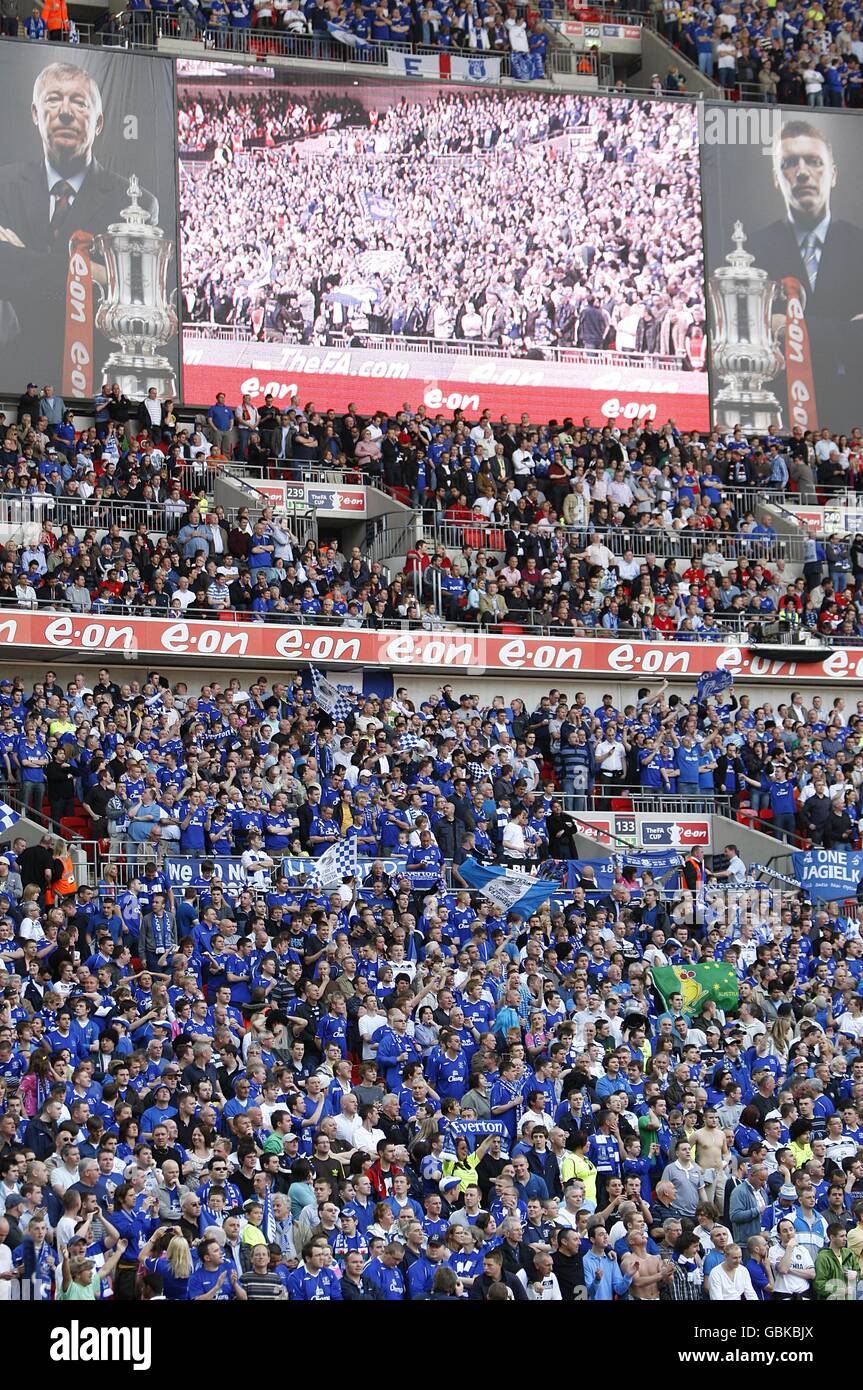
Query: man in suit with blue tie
{"x":825,"y":255}
{"x":42,"y":204}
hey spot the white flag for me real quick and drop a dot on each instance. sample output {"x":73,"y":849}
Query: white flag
{"x":335,"y":864}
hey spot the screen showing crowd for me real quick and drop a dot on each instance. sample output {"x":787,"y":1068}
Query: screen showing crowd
{"x":405,"y":233}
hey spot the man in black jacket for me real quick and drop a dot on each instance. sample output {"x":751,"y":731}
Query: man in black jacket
{"x":355,"y":1286}
{"x":816,"y":248}
{"x":41,"y":1131}
{"x":815,"y":813}
{"x":493,"y":1273}
{"x":44,"y":203}
{"x":568,"y":1265}
{"x":840,"y":829}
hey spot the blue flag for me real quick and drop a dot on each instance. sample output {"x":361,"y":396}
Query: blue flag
{"x":526,"y":67}
{"x":713,"y":683}
{"x":602,"y":870}
{"x":376,"y":207}
{"x":828,"y":873}
{"x":658,"y":861}
{"x":471,"y":1130}
{"x":346,"y":36}
{"x":508,"y":889}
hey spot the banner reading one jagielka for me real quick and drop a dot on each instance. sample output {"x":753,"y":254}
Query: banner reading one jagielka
{"x":783,"y":209}
{"x":88,"y":212}
{"x":829,"y":873}
{"x":442,"y":289}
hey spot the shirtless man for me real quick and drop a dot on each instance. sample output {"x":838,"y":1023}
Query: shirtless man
{"x":711,"y":1148}
{"x":648,"y":1271}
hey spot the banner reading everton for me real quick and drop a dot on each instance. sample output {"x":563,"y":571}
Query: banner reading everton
{"x":472,"y":1130}
{"x":828,"y":873}
{"x":88,"y":211}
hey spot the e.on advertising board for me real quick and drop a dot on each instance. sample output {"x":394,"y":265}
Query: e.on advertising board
{"x":470,"y":653}
{"x":639,"y":830}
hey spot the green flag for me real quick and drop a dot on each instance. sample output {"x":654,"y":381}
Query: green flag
{"x":697,"y":983}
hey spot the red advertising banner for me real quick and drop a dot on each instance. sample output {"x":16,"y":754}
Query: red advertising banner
{"x":608,"y":394}
{"x":472,"y":653}
{"x":640,"y":830}
{"x":324,"y":497}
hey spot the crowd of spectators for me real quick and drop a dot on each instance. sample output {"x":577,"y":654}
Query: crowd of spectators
{"x":338,"y":29}
{"x":349,"y":228}
{"x":581,"y":530}
{"x":794,"y":54}
{"x":334,"y":29}
{"x":798,"y":768}
{"x":393,"y":1089}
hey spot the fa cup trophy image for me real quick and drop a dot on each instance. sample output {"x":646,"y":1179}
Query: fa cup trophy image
{"x":136,"y":311}
{"x":745,"y":352}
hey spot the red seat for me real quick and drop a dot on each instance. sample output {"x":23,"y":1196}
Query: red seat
{"x":622,"y":803}
{"x":514,"y":629}
{"x":475,"y":537}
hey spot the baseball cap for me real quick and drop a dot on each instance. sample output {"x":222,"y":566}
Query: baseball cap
{"x":14,"y":1200}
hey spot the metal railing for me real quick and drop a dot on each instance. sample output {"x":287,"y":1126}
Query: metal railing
{"x":599,"y":14}
{"x":144,"y":30}
{"x":158,"y":517}
{"x":298,"y":471}
{"x":797,"y":839}
{"x":479,"y":534}
{"x":452,"y":347}
{"x":390,"y":536}
{"x":533,"y":623}
{"x":647,"y":800}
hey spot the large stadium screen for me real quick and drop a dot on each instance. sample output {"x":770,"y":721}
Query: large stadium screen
{"x":88,"y":213}
{"x":380,"y":242}
{"x":784,"y":215}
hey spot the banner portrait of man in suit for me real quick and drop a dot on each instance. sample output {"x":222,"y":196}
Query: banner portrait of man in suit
{"x":802,"y":215}
{"x":91,"y":127}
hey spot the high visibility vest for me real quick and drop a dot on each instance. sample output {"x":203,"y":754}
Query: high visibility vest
{"x":55,"y":14}
{"x":699,"y":869}
{"x":65,"y":883}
